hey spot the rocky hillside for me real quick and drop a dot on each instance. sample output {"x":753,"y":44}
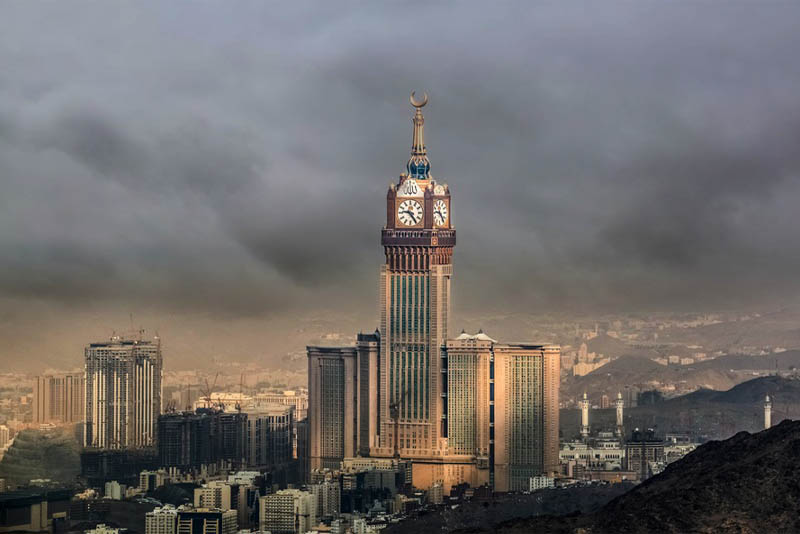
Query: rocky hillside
{"x":39,"y":454}
{"x":745,"y":484}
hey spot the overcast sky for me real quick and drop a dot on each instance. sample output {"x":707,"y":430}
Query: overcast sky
{"x":233,"y":157}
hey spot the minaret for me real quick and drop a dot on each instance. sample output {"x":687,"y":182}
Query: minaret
{"x":767,"y":413}
{"x":584,"y":404}
{"x":620,"y":406}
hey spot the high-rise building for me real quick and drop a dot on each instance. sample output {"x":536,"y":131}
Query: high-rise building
{"x":5,"y":436}
{"x":206,"y":521}
{"x":332,"y":407}
{"x":343,"y":401}
{"x":190,"y":440}
{"x":368,"y":352}
{"x":418,"y":240}
{"x":59,"y":398}
{"x":328,"y":495}
{"x":288,"y":511}
{"x":501,"y":412}
{"x":270,"y":438}
{"x":123,"y":393}
{"x":162,"y":520}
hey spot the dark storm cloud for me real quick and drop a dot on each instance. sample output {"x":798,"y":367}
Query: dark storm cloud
{"x":235,"y":158}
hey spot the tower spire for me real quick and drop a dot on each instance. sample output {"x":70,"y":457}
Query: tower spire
{"x":418,"y":164}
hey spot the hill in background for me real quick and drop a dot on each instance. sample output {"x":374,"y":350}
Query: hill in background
{"x":705,"y":413}
{"x":745,"y":484}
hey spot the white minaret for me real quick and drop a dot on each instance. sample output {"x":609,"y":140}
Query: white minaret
{"x":620,"y":406}
{"x":767,"y":413}
{"x":584,"y":404}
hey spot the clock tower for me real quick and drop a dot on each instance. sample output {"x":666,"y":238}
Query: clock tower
{"x":418,"y":241}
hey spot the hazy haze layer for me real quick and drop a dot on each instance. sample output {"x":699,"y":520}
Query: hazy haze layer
{"x":230,"y":160}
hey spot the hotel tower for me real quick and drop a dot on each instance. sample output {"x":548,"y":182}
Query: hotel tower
{"x":407,"y":392}
{"x":418,"y":241}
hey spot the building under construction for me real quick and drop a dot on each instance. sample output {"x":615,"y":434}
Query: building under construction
{"x":123,"y":393}
{"x":190,"y":440}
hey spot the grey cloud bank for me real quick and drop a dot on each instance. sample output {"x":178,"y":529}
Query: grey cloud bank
{"x":233,"y":158}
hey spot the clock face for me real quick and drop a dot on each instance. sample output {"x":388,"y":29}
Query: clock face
{"x":439,"y":212}
{"x":410,"y":212}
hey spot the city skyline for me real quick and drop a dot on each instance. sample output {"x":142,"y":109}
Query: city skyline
{"x":231,"y":299}
{"x":611,"y":177}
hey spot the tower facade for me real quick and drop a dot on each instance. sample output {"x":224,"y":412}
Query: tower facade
{"x":123,"y":393}
{"x":584,"y":404}
{"x":620,"y":405}
{"x":332,"y":408}
{"x":502,"y":412}
{"x":418,"y":240}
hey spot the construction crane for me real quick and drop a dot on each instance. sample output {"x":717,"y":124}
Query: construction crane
{"x":241,"y":393}
{"x":208,"y":390}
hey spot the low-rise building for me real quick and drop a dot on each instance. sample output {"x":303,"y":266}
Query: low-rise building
{"x":206,"y":521}
{"x":105,"y":529}
{"x":162,"y":520}
{"x":542,"y":482}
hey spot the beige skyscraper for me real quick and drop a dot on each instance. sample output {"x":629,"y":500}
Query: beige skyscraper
{"x":342,"y":401}
{"x":58,"y":398}
{"x":502,"y":410}
{"x":527,"y":378}
{"x":332,"y":382}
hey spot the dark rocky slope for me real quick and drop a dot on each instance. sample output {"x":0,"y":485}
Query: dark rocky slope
{"x":749,"y":483}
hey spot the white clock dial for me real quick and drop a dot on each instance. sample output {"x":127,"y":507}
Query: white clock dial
{"x":410,"y":212}
{"x":439,"y":212}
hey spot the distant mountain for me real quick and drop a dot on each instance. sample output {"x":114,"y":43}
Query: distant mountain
{"x":613,"y":347}
{"x":719,"y":374}
{"x":777,"y":329}
{"x":779,"y":389}
{"x":782,"y":361}
{"x":703,"y":413}
{"x":745,"y":484}
{"x":646,"y":374}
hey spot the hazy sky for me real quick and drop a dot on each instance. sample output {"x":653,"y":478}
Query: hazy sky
{"x":232,"y":157}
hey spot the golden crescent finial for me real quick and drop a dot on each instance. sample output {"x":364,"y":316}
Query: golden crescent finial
{"x":418,"y":104}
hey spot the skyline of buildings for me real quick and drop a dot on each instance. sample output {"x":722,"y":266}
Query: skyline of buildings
{"x":395,"y":395}
{"x":407,"y":413}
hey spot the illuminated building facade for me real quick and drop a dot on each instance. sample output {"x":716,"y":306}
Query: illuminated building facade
{"x":502,"y":409}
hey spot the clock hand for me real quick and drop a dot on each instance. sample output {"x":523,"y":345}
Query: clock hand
{"x":411,"y":214}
